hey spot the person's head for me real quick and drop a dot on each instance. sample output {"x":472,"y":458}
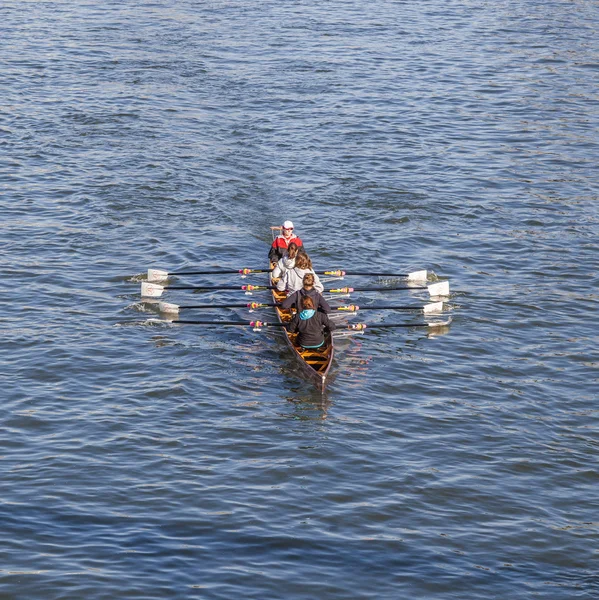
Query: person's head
{"x":308,"y":281}
{"x":287,"y":229}
{"x":292,"y":250}
{"x":302,"y":250}
{"x":302,"y":261}
{"x":307,"y":303}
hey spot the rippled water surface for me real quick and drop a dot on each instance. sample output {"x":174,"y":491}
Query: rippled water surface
{"x":147,"y":460}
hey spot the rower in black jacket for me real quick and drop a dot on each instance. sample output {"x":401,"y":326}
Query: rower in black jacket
{"x":310,"y":325}
{"x":295,"y":300}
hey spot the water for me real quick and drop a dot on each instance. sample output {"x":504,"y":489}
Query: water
{"x":145,"y":460}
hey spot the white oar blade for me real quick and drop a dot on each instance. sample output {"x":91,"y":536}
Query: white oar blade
{"x":433,"y":307}
{"x":155,"y":275}
{"x":151,"y":290}
{"x":167,"y":307}
{"x":418,"y":276}
{"x":439,"y":289}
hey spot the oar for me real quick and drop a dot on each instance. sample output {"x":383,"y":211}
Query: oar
{"x":362,"y":326}
{"x":435,"y":289}
{"x":254,"y":324}
{"x":153,"y":290}
{"x":155,"y":275}
{"x":175,"y":308}
{"x":353,"y":327}
{"x":415,"y":275}
{"x":433,"y":307}
{"x":167,"y":307}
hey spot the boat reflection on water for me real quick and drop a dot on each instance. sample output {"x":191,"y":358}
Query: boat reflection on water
{"x":351,"y":366}
{"x":438,"y":331}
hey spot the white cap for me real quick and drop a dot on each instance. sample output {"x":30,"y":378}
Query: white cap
{"x":287,"y":225}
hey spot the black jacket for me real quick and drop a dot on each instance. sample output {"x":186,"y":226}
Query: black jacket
{"x":295,"y":301}
{"x":310,"y":331}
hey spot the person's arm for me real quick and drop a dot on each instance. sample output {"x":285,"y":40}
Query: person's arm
{"x":289,"y":301}
{"x":292,"y":325}
{"x":324,"y":305}
{"x":329,"y":323}
{"x":273,"y":255}
{"x":276,"y":272}
{"x":282,"y":283}
{"x":317,"y":284}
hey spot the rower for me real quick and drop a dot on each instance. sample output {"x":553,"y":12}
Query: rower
{"x":293,"y":279}
{"x":287,"y":262}
{"x":308,"y":291}
{"x":310,"y":325}
{"x":282,"y":241}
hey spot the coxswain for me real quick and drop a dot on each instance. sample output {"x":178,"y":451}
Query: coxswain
{"x":282,"y":241}
{"x":308,"y":291}
{"x":310,"y":325}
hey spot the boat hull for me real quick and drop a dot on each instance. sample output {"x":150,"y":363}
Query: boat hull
{"x":314,"y":363}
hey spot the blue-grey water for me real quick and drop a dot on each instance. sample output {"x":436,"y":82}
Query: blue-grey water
{"x":141,"y":459}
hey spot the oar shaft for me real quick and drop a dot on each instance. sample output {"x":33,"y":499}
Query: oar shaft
{"x":376,"y":274}
{"x":219,"y":287}
{"x":252,"y":305}
{"x":234,"y":323}
{"x":215,"y":306}
{"x":414,"y":275}
{"x":223,"y":272}
{"x":201,"y":287}
{"x":392,"y":325}
{"x":363,"y":326}
{"x":239,"y":323}
{"x":388,"y":289}
{"x":391,"y":307}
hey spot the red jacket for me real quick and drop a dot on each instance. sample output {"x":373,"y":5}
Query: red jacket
{"x":279,"y":246}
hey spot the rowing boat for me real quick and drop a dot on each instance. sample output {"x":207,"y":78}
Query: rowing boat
{"x":314,"y":362}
